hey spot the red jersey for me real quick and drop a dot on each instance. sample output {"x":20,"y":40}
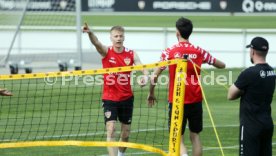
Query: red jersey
{"x":198,"y":56}
{"x":117,"y":85}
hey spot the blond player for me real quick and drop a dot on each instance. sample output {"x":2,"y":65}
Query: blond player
{"x":117,"y":98}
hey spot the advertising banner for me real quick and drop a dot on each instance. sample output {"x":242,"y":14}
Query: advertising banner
{"x":159,"y":5}
{"x":221,"y":6}
{"x":38,"y":5}
{"x":230,"y":6}
{"x":255,"y":6}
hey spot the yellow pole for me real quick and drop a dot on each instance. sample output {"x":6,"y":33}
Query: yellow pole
{"x":209,"y":111}
{"x":177,"y":108}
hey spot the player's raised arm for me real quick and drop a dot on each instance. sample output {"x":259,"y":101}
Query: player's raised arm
{"x":102,"y":49}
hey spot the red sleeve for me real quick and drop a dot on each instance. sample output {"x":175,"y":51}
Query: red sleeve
{"x":207,"y":57}
{"x":164,"y":57}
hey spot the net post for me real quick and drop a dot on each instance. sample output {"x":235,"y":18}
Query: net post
{"x":177,"y":107}
{"x":79,"y":32}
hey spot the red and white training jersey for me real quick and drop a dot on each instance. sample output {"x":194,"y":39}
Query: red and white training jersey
{"x":198,"y":56}
{"x":117,"y":85}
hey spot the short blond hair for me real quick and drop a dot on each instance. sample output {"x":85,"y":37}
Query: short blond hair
{"x":118,"y":28}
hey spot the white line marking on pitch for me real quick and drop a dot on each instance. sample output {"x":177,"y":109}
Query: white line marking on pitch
{"x":100,"y":133}
{"x":204,"y":149}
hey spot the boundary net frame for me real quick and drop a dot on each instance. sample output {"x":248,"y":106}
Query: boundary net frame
{"x":176,"y":122}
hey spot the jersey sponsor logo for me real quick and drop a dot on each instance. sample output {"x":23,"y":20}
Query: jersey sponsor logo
{"x":262,"y":74}
{"x":179,"y":55}
{"x":192,"y":56}
{"x":112,"y":60}
{"x":127,"y":61}
{"x":270,"y":73}
{"x":107,"y":114}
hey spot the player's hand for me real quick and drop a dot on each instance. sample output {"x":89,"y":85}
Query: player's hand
{"x":151,"y":100}
{"x":143,"y":80}
{"x":5,"y":92}
{"x":85,"y":28}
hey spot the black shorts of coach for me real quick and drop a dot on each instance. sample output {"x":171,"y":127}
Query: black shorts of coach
{"x":192,"y":114}
{"x":118,"y":110}
{"x":255,"y":139}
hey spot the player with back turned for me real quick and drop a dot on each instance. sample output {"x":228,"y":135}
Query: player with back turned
{"x":117,"y":95}
{"x":193,"y":96}
{"x":255,"y":87}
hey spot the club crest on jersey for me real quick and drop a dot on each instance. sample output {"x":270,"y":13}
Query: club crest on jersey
{"x":127,"y":61}
{"x":107,"y":114}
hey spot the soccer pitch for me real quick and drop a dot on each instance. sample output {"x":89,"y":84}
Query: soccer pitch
{"x":224,"y":112}
{"x":246,"y":22}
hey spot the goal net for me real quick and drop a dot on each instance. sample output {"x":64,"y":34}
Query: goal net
{"x":67,"y":107}
{"x":39,"y":34}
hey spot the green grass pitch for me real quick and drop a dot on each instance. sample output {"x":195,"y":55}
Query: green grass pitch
{"x":257,"y":22}
{"x":242,"y":22}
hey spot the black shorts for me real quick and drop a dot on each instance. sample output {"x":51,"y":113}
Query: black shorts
{"x":192,"y":114}
{"x":121,"y":110}
{"x":255,"y":140}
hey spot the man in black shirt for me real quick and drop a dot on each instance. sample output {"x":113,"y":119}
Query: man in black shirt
{"x":255,"y":87}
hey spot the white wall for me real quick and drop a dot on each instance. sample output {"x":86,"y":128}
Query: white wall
{"x":227,"y":45}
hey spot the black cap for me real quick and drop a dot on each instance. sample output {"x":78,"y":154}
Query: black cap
{"x":259,"y":43}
